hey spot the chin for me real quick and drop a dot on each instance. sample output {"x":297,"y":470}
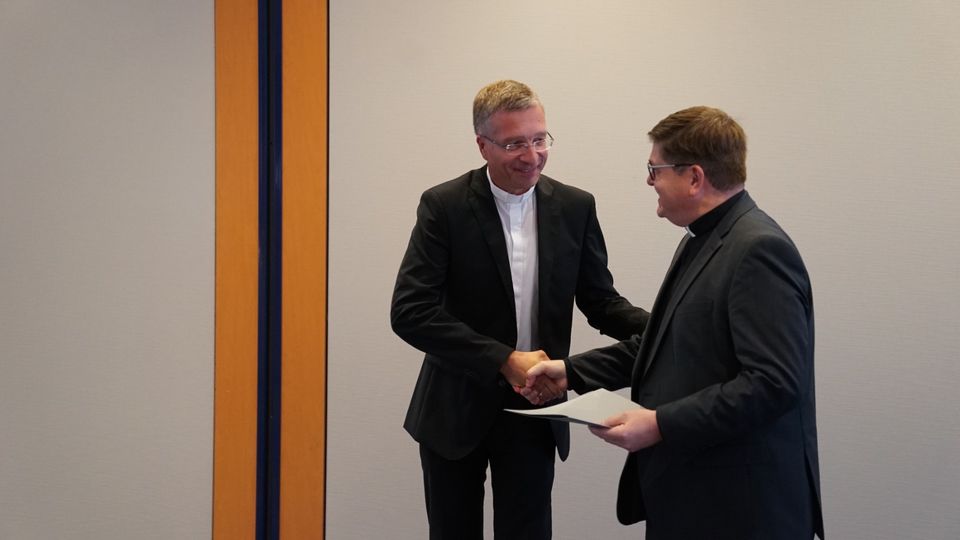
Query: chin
{"x":528,"y":183}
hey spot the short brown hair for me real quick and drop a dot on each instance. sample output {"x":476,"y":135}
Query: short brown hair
{"x":707,"y":137}
{"x":498,"y":96}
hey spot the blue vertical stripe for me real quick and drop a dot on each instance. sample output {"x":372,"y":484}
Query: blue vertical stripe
{"x":270,"y":266}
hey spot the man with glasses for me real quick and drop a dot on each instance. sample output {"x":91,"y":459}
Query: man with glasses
{"x":496,"y":260}
{"x":725,"y":444}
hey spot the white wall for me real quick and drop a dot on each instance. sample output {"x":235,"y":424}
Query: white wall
{"x":106,"y":269}
{"x":851,"y":112}
{"x":106,"y":236}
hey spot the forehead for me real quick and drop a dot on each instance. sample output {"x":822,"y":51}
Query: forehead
{"x":655,"y":156}
{"x":521,"y":123}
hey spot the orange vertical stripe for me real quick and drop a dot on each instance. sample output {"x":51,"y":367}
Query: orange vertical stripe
{"x":235,"y":395}
{"x":303,"y":443}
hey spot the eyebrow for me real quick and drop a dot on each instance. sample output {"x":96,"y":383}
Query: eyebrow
{"x":540,"y":135}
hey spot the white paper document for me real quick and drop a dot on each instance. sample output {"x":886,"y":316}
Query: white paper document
{"x":591,"y":408}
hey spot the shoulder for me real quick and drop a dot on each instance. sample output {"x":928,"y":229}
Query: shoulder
{"x":756,"y":226}
{"x":563,"y":192}
{"x":760,"y":239}
{"x":458,"y":184}
{"x":457,"y":190}
{"x":746,"y":223}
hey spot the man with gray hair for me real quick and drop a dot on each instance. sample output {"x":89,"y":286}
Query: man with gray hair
{"x":495,"y":262}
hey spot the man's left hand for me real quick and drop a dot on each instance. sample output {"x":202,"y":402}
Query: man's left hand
{"x":632,"y":430}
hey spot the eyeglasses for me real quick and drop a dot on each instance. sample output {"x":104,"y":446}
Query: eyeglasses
{"x":539,"y":144}
{"x":652,"y":169}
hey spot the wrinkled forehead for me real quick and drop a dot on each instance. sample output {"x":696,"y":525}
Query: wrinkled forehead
{"x":523,"y":123}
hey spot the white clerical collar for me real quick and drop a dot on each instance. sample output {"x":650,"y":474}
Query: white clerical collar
{"x":690,"y":232}
{"x":506,"y":196}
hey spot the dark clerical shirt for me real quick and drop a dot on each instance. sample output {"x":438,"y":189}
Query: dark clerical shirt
{"x":698,"y":232}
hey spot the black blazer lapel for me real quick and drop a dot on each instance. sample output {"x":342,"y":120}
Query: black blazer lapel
{"x":697,"y":265}
{"x":484,"y":209}
{"x":687,"y":279}
{"x":548,"y":213}
{"x":658,"y":311}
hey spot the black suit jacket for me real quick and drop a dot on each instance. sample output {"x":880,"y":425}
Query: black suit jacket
{"x":730,"y":374}
{"x":453,"y":300}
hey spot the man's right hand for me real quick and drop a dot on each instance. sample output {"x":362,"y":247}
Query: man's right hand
{"x":517,"y":364}
{"x":546,"y":381}
{"x":516,"y":370}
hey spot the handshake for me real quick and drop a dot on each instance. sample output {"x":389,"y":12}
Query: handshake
{"x":541,"y":380}
{"x":535,"y":376}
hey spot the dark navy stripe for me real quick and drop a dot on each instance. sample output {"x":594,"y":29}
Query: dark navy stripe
{"x":326,"y":273}
{"x":270,"y":260}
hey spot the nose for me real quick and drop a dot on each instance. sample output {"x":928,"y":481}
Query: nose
{"x":649,"y":179}
{"x":530,"y":153}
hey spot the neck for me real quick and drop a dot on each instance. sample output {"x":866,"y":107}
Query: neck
{"x":713,"y":198}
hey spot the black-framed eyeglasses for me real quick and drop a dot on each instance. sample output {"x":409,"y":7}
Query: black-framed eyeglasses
{"x":652,"y":169}
{"x":539,"y":144}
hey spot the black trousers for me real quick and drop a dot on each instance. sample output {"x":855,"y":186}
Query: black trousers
{"x":520,"y":452}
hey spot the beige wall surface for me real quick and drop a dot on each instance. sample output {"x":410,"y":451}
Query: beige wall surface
{"x":106,"y":269}
{"x":106,"y":236}
{"x":850,"y":108}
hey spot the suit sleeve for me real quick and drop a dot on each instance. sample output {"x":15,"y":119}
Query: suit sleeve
{"x":770,"y":312}
{"x":609,"y":367}
{"x":596,"y":296}
{"x":417,"y":314}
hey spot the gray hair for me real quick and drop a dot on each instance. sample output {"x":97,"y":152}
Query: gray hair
{"x":505,"y":95}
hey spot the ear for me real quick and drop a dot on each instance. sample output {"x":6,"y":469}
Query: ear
{"x":698,"y":180}
{"x":482,"y":145}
